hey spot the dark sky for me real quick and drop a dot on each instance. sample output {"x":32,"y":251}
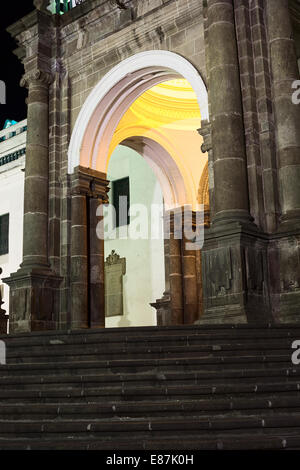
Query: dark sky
{"x":11,"y":68}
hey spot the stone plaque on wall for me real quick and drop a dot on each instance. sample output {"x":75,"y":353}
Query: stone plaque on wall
{"x":115,"y":269}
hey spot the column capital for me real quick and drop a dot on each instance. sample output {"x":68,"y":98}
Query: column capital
{"x":36,"y":77}
{"x":88,"y":182}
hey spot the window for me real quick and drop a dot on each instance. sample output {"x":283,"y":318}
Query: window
{"x":121,"y":201}
{"x":4,"y":232}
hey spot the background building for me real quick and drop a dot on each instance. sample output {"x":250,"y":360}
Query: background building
{"x":12,"y":165}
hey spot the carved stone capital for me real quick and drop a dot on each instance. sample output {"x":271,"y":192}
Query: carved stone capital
{"x":205,"y":132}
{"x":37,"y":77}
{"x":90,"y":183}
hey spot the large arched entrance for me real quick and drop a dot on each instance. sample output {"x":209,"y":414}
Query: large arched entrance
{"x":107,"y":124}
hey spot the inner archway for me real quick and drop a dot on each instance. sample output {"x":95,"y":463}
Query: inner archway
{"x":153,"y":110}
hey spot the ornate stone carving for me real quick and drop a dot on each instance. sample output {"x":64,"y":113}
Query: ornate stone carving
{"x":113,"y":258}
{"x":36,"y":77}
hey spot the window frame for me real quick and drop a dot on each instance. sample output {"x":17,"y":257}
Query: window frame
{"x":118,"y":223}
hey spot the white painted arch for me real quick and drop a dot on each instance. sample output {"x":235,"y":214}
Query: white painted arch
{"x":165,"y":169}
{"x":115,"y":93}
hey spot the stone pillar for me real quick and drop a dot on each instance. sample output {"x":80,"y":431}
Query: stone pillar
{"x":79,"y":262}
{"x":176,"y":281}
{"x":35,"y":242}
{"x":234,"y":256}
{"x":89,"y":188}
{"x":231,"y":201}
{"x":96,"y":267}
{"x":173,"y":232}
{"x":285,"y":71}
{"x":284,"y":250}
{"x":34,"y":288}
{"x":189,"y":269}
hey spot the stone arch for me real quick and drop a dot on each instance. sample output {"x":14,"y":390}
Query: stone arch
{"x":114,"y":94}
{"x":171,"y":181}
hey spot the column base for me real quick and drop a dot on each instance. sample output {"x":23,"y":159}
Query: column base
{"x":34,"y":300}
{"x":284,"y":254}
{"x":163,"y":309}
{"x":235,"y":275}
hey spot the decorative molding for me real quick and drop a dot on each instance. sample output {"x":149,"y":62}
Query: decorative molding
{"x":114,"y":258}
{"x":12,"y":156}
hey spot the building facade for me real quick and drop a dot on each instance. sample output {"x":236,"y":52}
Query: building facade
{"x":86,"y":71}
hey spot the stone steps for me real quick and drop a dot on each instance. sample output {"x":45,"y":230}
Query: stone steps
{"x":155,"y":392}
{"x":155,"y":427}
{"x":151,"y":388}
{"x":235,"y":441}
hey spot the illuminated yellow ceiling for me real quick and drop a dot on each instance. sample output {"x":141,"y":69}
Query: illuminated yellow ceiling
{"x":170,"y":105}
{"x":169,"y":115}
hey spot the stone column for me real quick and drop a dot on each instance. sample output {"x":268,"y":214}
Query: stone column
{"x":235,"y":277}
{"x":89,"y":189}
{"x":34,"y":288}
{"x":79,"y":261}
{"x":96,"y":265}
{"x":173,"y":230}
{"x":287,"y":115}
{"x":284,"y":249}
{"x":35,"y":241}
{"x":189,"y":269}
{"x":231,"y":201}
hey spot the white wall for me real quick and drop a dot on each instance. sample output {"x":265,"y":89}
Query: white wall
{"x":12,"y":202}
{"x":144,"y":281}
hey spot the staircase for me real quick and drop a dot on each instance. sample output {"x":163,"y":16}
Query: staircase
{"x":171,"y":388}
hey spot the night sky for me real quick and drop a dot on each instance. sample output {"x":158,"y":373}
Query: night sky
{"x":11,"y":68}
